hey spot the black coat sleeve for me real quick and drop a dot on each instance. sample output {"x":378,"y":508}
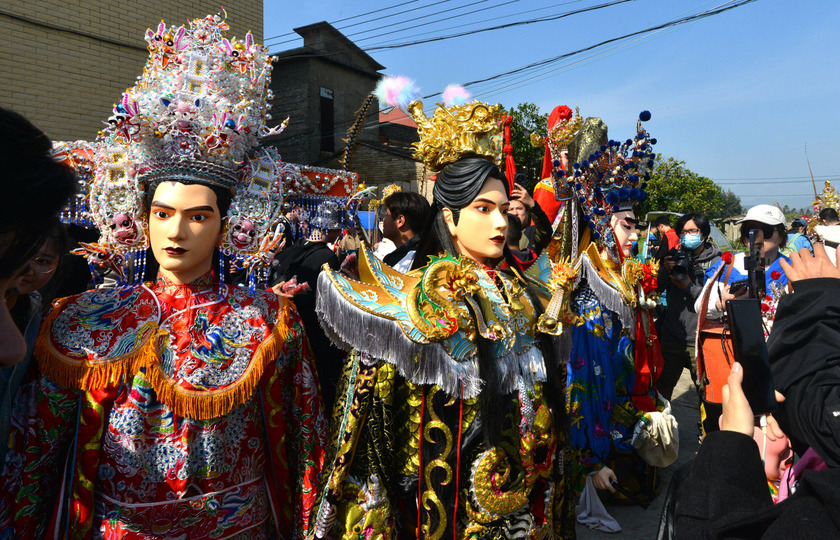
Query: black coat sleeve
{"x":804,"y":350}
{"x":725,"y":488}
{"x":542,"y":228}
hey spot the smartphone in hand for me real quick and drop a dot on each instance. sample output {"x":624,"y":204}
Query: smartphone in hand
{"x":750,"y":350}
{"x":738,"y":287}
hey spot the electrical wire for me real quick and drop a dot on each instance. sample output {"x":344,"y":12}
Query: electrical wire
{"x":501,"y":26}
{"x":485,"y":20}
{"x":412,"y":24}
{"x":364,"y":14}
{"x":721,"y":8}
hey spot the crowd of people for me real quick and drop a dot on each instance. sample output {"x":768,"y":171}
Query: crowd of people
{"x":489,"y":363}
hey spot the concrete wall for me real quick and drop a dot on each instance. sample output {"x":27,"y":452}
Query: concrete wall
{"x":71,"y":60}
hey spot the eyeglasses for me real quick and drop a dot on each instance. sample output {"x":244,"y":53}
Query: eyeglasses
{"x":43,"y":265}
{"x":690,"y":231}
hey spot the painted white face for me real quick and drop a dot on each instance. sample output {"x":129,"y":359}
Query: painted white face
{"x":482,"y":224}
{"x":624,"y":225}
{"x":184,"y":230}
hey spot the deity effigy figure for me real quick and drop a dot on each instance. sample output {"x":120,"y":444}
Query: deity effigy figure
{"x":182,"y":407}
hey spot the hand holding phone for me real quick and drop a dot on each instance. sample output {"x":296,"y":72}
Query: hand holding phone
{"x":750,"y":351}
{"x":738,"y":288}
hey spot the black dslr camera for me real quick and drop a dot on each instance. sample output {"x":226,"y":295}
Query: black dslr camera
{"x":683,"y":263}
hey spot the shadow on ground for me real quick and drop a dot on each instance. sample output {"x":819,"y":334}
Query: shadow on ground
{"x":643,"y":524}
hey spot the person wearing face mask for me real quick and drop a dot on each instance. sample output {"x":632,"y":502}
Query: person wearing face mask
{"x":682,"y":274}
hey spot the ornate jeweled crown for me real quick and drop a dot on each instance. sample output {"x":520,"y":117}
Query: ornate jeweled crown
{"x":452,"y":133}
{"x":195,"y":115}
{"x":613,"y":178}
{"x":457,"y":129}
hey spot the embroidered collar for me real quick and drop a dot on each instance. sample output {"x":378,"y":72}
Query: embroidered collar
{"x":203,"y":284}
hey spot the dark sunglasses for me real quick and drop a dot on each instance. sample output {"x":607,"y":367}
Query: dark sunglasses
{"x":766,"y":230}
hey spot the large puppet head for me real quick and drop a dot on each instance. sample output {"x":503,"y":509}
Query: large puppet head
{"x":607,"y":179}
{"x":194,"y":118}
{"x":462,"y":142}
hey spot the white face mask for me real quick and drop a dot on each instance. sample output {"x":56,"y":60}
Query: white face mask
{"x":691,"y":241}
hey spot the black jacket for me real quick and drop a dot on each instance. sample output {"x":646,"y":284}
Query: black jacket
{"x":680,"y":319}
{"x":305,"y":260}
{"x":725,"y":494}
{"x":804,"y":350}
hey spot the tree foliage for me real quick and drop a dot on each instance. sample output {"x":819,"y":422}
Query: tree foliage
{"x":527,"y":119}
{"x":675,"y":188}
{"x":731,"y":205}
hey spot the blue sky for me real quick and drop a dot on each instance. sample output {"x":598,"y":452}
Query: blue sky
{"x":737,"y":96}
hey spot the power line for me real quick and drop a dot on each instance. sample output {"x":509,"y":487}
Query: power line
{"x":412,"y":23}
{"x":775,"y":180}
{"x":485,"y":20}
{"x":367,"y":21}
{"x":501,"y":26}
{"x":674,"y":22}
{"x":726,"y":6}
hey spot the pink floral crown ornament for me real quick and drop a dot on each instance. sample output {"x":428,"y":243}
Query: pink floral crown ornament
{"x":196,"y":114}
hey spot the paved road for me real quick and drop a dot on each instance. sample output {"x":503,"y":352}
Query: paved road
{"x":643,"y":524}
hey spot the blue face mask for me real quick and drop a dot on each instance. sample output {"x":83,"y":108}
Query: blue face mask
{"x":691,"y":241}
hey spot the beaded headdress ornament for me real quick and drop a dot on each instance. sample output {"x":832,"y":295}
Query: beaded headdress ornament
{"x":612,"y":179}
{"x":195,"y":115}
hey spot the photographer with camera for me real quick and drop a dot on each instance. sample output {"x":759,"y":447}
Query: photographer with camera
{"x":682,"y":273}
{"x":766,"y":223}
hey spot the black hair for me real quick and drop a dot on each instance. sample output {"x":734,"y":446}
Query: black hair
{"x":700,"y":220}
{"x":412,"y":206}
{"x":664,"y":219}
{"x":457,"y":185}
{"x":35,"y":187}
{"x":455,"y":188}
{"x":223,"y":196}
{"x":514,"y":230}
{"x":829,"y":215}
{"x":749,"y":225}
{"x":57,"y":234}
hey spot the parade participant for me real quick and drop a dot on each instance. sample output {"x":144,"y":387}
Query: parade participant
{"x":184,"y":407}
{"x":27,"y":309}
{"x":797,"y":238}
{"x":614,"y":415}
{"x":825,"y":225}
{"x":303,"y":263}
{"x":537,"y":236}
{"x":35,"y":188}
{"x":449,"y":421}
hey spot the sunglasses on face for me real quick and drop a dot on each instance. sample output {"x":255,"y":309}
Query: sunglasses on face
{"x":766,"y":230}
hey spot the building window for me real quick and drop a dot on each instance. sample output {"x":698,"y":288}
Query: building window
{"x":327,"y":121}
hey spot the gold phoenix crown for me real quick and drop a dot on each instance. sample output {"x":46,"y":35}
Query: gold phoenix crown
{"x":452,"y":133}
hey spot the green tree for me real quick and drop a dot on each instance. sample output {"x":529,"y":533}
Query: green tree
{"x":675,"y":188}
{"x":731,"y":206}
{"x":527,"y":119}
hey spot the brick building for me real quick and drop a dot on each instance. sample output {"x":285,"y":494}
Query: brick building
{"x":71,"y":60}
{"x":320,"y":87}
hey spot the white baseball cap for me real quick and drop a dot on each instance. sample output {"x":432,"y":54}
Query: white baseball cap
{"x":764,"y":213}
